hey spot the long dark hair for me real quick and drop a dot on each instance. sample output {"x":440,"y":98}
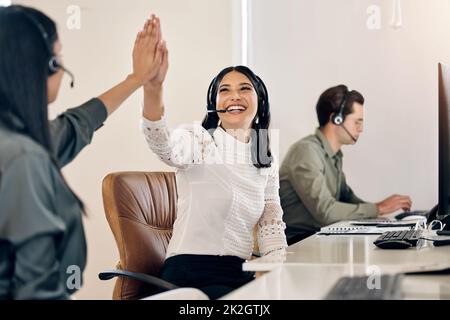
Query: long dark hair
{"x":24,"y":70}
{"x":261,"y":154}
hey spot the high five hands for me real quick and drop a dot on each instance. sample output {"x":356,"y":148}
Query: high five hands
{"x":150,"y":64}
{"x":150,"y":55}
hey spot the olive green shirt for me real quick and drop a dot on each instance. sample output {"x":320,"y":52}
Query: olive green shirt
{"x":313,"y":189}
{"x":42,"y":241}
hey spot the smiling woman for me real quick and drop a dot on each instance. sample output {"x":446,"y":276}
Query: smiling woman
{"x":244,"y":97}
{"x":213,"y":236}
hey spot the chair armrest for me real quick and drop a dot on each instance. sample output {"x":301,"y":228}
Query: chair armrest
{"x":162,"y":284}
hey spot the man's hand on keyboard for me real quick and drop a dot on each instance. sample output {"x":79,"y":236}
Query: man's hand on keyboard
{"x":394,"y":203}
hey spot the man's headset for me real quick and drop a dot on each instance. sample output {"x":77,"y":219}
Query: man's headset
{"x":339,"y":118}
{"x":53,"y":65}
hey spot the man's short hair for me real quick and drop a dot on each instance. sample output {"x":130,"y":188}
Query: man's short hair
{"x":330,"y":102}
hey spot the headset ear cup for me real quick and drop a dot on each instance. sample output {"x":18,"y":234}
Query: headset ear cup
{"x":53,"y":65}
{"x":338,"y":119}
{"x":210,"y":105}
{"x":262,"y":97}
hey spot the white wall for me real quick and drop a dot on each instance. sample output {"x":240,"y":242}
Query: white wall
{"x":302,"y":47}
{"x":200,"y":42}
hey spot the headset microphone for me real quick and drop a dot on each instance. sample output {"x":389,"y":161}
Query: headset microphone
{"x":217,"y":111}
{"x":70,"y":74}
{"x":351,"y":136}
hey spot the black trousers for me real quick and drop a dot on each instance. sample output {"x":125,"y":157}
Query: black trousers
{"x":214,"y":275}
{"x":294,"y":235}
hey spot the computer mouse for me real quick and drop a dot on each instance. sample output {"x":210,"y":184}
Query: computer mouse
{"x":394,"y":244}
{"x":411,"y":215}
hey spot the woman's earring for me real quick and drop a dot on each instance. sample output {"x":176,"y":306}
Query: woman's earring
{"x":257,"y":120}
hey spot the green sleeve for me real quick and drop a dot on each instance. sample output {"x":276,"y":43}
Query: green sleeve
{"x":306,"y":175}
{"x":73,"y":130}
{"x":37,"y":272}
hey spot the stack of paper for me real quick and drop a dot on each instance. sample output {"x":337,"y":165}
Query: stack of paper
{"x":350,"y":228}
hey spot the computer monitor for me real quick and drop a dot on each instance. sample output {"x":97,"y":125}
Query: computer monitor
{"x":443,"y":212}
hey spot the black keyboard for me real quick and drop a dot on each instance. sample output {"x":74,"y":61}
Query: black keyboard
{"x":388,"y":287}
{"x":406,"y":236}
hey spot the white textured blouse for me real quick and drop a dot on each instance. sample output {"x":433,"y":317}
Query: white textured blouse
{"x":222,"y":196}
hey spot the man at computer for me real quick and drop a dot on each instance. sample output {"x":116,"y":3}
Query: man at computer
{"x":313,"y":189}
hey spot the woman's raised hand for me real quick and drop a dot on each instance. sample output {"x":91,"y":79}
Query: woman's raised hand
{"x":163,"y":55}
{"x":149,"y":70}
{"x":150,"y":54}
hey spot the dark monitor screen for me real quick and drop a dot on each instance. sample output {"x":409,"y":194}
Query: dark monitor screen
{"x":444,"y":141}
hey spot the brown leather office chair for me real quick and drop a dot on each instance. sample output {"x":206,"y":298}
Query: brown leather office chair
{"x":140,"y":208}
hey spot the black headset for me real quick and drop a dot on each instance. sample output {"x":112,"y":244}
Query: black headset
{"x":53,"y":65}
{"x":209,"y":103}
{"x":338,"y":118}
{"x":263,"y":98}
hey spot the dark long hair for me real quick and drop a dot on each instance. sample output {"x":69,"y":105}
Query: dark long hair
{"x":24,"y":70}
{"x":261,"y":154}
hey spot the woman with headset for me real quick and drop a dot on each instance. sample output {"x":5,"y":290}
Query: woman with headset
{"x":42,"y":242}
{"x":227,"y":181}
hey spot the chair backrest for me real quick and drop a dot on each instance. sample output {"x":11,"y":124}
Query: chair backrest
{"x":140,"y":208}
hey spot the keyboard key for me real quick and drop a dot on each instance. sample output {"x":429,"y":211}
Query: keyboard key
{"x":387,"y":287}
{"x":410,"y":236}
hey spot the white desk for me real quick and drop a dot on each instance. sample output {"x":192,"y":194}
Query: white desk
{"x":351,"y":250}
{"x":313,"y":265}
{"x":306,"y":282}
